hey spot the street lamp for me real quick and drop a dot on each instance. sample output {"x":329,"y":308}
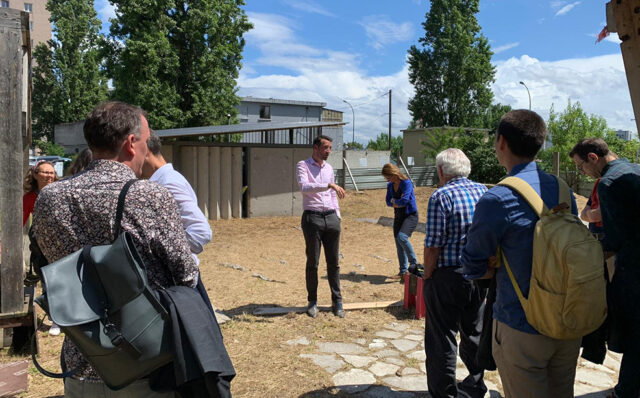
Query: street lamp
{"x":353,"y":122}
{"x":528,"y":93}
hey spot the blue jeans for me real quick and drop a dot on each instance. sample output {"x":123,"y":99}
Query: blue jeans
{"x":406,"y":255}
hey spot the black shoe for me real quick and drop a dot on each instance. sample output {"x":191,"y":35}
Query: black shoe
{"x":337,"y":310}
{"x":312,"y":310}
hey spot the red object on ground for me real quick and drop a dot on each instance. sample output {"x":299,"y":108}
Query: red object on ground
{"x":413,"y":294}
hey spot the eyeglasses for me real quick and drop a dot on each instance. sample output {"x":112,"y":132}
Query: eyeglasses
{"x":46,"y":173}
{"x":581,"y":165}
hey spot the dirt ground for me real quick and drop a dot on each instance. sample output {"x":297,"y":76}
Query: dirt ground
{"x":274,"y":248}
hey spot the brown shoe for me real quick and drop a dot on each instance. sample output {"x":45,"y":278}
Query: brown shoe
{"x":401,"y":275}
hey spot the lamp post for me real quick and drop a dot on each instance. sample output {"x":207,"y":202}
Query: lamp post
{"x":353,"y":122}
{"x":528,"y":93}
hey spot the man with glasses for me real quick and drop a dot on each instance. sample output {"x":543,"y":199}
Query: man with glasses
{"x":618,"y":191}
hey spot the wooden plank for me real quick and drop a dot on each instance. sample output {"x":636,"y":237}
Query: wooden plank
{"x":347,"y":307}
{"x":11,"y":161}
{"x":627,"y":23}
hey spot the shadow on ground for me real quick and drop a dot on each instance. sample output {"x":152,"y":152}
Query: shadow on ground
{"x":597,"y":394}
{"x":372,"y":279}
{"x":374,"y":391}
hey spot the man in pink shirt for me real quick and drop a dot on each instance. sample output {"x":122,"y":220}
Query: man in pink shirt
{"x":321,"y":222}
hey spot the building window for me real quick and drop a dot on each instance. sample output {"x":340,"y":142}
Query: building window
{"x":28,"y":7}
{"x":265,"y":112}
{"x":4,"y":4}
{"x":31,"y":26}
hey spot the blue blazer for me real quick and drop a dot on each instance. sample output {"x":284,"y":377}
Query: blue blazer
{"x":408,"y":199}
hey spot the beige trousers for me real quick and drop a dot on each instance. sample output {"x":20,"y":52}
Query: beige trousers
{"x":74,"y":388}
{"x":533,"y":365}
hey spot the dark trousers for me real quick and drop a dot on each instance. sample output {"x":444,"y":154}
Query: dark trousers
{"x":322,"y":230}
{"x":625,"y":315}
{"x":453,"y":304}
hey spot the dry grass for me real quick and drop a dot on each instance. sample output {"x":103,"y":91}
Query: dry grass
{"x":274,"y":248}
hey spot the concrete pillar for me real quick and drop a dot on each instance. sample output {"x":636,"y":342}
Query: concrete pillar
{"x":214,"y":183}
{"x":225,"y":182}
{"x":202,"y":188}
{"x":189,"y":163}
{"x":236,"y":182}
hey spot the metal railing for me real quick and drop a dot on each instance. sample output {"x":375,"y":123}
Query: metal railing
{"x":370,"y":178}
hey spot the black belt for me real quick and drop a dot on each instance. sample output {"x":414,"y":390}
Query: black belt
{"x":320,"y":213}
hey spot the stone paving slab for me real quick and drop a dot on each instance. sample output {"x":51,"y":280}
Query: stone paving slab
{"x":384,"y":365}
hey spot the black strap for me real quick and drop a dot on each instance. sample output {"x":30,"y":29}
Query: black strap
{"x":110,"y":329}
{"x":45,"y":372}
{"x":120,"y":207}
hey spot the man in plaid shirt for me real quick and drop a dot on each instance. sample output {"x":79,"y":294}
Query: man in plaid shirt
{"x":453,"y":303}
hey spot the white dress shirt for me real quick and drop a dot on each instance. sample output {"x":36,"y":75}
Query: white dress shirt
{"x":193,"y":220}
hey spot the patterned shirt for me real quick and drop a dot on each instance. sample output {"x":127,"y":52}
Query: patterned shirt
{"x":449,"y":217}
{"x":81,"y":210}
{"x":313,"y":180}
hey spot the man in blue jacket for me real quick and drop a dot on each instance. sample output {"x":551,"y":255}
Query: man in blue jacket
{"x":530,"y":364}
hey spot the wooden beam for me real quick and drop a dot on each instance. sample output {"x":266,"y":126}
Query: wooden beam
{"x":626,"y":15}
{"x":347,"y":307}
{"x":12,"y":159}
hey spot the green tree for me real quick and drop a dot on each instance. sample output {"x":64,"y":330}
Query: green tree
{"x":67,"y":79}
{"x":452,"y":71}
{"x":566,"y":129}
{"x":478,"y":145}
{"x":353,"y":145}
{"x":381,"y":143}
{"x":178,"y":59}
{"x":50,"y":148}
{"x":624,"y":149}
{"x":493,"y":115}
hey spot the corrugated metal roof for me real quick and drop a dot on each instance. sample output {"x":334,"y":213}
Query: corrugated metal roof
{"x":242,"y":128}
{"x":282,"y":101}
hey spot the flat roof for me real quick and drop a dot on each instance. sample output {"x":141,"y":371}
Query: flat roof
{"x":282,"y":101}
{"x":242,"y":128}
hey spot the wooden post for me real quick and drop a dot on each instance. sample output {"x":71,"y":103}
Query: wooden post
{"x":623,"y":17}
{"x":13,"y":87}
{"x":556,"y":164}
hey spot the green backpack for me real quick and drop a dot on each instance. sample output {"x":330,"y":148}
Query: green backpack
{"x":567,"y":297}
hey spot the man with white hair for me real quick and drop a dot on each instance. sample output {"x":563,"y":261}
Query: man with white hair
{"x":453,"y":303}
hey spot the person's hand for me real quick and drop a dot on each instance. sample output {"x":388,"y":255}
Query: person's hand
{"x":492,"y":262}
{"x":339,"y":190}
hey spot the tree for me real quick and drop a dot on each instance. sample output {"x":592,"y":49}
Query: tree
{"x":67,"y":79}
{"x":353,"y":145}
{"x":178,"y":59}
{"x":381,"y":143}
{"x":452,"y":72}
{"x":478,"y":145}
{"x":624,"y":149}
{"x":566,"y":129}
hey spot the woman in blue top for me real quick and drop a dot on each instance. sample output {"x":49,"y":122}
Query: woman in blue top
{"x":400,"y":196}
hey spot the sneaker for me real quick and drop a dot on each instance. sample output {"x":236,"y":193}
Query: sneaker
{"x":312,"y":310}
{"x":54,"y":330}
{"x":337,"y":310}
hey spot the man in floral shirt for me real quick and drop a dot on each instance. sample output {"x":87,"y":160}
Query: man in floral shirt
{"x":81,"y":211}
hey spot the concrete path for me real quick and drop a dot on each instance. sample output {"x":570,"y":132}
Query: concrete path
{"x":391,"y":363}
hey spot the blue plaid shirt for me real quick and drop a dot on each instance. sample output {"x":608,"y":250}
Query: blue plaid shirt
{"x":449,"y":217}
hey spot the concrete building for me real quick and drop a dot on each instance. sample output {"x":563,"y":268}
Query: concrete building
{"x":271,"y":110}
{"x":624,"y":135}
{"x":39,"y":23}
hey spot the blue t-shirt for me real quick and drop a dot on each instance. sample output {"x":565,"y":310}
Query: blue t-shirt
{"x":503,"y":217}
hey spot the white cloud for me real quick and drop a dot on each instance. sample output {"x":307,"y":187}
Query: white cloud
{"x":505,"y":47}
{"x":567,"y":8}
{"x":105,"y":11}
{"x":598,"y":83}
{"x":381,"y":31}
{"x":309,"y":6}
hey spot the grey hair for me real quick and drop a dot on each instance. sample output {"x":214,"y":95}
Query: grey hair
{"x":454,"y":163}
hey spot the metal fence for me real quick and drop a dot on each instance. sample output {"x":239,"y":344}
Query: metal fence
{"x":371,"y":178}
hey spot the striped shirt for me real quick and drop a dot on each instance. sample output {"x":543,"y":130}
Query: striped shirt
{"x":449,"y":217}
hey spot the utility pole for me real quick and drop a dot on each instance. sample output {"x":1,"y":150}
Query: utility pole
{"x":389,"y":119}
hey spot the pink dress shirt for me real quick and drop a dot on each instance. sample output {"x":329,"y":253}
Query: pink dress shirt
{"x":313,"y":180}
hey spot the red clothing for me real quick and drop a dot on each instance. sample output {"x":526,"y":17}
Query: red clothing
{"x":28,"y":200}
{"x":594,"y":201}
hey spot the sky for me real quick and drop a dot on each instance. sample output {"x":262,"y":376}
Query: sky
{"x":356,"y":51}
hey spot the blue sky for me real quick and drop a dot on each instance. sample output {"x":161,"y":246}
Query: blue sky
{"x":331,"y":50}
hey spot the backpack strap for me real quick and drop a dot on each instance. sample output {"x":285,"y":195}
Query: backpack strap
{"x":528,"y":193}
{"x":564,"y":193}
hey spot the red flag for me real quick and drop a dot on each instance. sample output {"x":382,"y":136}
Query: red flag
{"x":603,"y":33}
